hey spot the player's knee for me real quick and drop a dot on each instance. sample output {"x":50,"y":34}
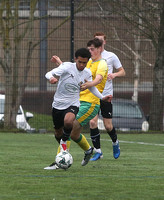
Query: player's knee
{"x":93,"y":124}
{"x":68,"y":124}
{"x":108,"y":127}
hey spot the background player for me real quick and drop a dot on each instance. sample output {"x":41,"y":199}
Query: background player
{"x":106,"y":107}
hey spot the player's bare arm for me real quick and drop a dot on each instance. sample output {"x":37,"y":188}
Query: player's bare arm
{"x":121,"y":72}
{"x":55,"y":59}
{"x":89,"y":84}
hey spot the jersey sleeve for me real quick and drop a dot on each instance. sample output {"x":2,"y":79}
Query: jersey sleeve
{"x":116,"y":62}
{"x":102,"y":68}
{"x":56,"y":71}
{"x":59,"y":70}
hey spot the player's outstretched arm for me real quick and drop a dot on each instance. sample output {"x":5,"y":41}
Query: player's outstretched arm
{"x":55,"y":59}
{"x":120,"y":72}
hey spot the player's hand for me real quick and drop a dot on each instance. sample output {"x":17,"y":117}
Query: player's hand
{"x":111,"y":76}
{"x":85,"y":85}
{"x":53,"y":80}
{"x":55,"y":59}
{"x":107,"y":98}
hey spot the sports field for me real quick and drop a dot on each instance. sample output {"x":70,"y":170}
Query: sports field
{"x":137,"y":175}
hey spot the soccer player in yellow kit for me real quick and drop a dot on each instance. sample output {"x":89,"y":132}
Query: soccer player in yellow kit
{"x":113,"y":62}
{"x":89,"y":104}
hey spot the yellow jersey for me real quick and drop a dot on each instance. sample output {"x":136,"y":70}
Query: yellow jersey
{"x":97,"y":67}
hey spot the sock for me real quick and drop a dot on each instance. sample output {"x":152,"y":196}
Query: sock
{"x":95,"y":137}
{"x":63,"y":144}
{"x":68,"y":145}
{"x":115,"y":143}
{"x":98,"y":150}
{"x":66,"y":134}
{"x":113,"y":135}
{"x":83,"y":143}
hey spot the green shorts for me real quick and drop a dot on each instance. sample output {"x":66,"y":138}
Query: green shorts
{"x":87,"y":111}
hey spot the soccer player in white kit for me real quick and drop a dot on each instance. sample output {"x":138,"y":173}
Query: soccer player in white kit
{"x":66,"y":103}
{"x":106,"y":107}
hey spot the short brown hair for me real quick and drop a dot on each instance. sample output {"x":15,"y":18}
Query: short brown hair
{"x":100,"y":34}
{"x":95,"y":42}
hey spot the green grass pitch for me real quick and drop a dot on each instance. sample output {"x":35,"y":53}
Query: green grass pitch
{"x":137,"y":175}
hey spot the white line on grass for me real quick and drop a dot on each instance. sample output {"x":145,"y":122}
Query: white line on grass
{"x":143,"y":143}
{"x":132,"y":142}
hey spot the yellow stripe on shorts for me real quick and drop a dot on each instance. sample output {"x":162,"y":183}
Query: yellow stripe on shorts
{"x":87,"y":111}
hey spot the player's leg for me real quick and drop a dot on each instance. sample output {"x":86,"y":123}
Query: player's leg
{"x":68,"y":124}
{"x":69,"y":117}
{"x":81,"y":140}
{"x":87,"y":111}
{"x":110,"y":129}
{"x":95,"y":137}
{"x":107,"y":119}
{"x":68,"y":144}
{"x":59,"y":118}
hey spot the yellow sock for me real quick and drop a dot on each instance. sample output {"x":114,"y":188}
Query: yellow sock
{"x":68,"y":145}
{"x":83,"y":143}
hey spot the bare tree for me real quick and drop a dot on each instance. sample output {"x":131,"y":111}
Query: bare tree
{"x":13,"y":32}
{"x":157,"y":103}
{"x":132,"y":51}
{"x":146,"y":19}
{"x":9,"y":25}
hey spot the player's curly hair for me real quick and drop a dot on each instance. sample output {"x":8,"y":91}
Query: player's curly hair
{"x":83,"y":52}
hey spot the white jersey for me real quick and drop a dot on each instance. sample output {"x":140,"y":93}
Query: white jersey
{"x":68,"y":88}
{"x":112,"y":62}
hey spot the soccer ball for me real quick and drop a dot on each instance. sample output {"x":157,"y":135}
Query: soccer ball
{"x":64,"y":160}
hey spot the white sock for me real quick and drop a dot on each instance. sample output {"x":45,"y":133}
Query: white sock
{"x":62,"y":142}
{"x":97,"y":150}
{"x":115,"y":143}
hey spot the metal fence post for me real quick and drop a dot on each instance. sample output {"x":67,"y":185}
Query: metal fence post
{"x":72,"y":30}
{"x":43,"y":44}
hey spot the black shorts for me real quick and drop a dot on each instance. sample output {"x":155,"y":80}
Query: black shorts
{"x":106,"y":109}
{"x":58,"y":115}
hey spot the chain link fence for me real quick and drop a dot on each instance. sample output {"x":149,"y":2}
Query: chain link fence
{"x":60,"y":28}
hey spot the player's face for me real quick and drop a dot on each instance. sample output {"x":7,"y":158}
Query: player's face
{"x":95,"y":52}
{"x":81,"y":63}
